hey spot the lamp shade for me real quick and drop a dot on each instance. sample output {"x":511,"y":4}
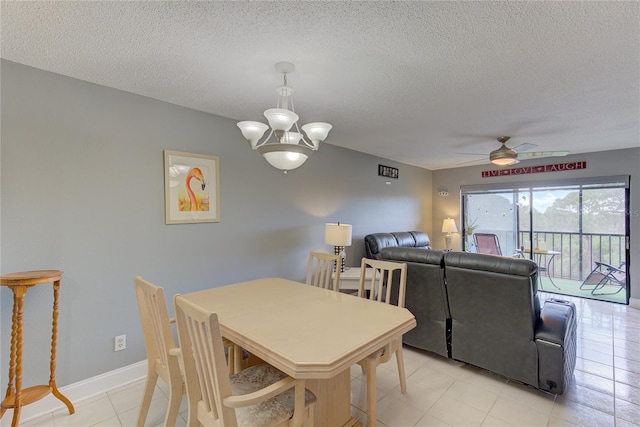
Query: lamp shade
{"x":337,"y":234}
{"x":449,"y":226}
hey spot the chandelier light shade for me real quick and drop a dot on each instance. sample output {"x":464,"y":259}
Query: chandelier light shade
{"x":289,"y":148}
{"x":284,"y":157}
{"x":338,"y":235}
{"x":252,"y":131}
{"x":317,"y":132}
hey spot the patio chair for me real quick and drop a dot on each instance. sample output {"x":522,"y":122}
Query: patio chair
{"x":605,"y":276}
{"x":487,"y":243}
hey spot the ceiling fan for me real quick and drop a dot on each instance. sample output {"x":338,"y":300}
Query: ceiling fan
{"x":505,"y":156}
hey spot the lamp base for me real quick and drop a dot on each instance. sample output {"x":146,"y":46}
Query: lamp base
{"x":338,"y":250}
{"x":447,"y":240}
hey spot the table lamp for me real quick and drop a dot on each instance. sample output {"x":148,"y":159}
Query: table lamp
{"x":338,"y":235}
{"x":449,"y":226}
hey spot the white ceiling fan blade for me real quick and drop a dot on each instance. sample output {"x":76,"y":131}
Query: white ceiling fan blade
{"x":473,"y":154}
{"x":539,"y":154}
{"x":524,"y":147}
{"x":477,"y":161}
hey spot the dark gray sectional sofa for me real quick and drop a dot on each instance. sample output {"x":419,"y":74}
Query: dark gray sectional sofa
{"x":374,"y":243}
{"x":485,"y":310}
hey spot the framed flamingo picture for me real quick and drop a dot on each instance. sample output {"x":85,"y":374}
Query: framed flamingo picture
{"x":191,"y":188}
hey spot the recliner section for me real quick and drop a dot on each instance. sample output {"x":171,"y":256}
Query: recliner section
{"x":484,"y":310}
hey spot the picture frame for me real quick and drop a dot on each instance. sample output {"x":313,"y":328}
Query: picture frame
{"x":388,"y":171}
{"x":191,"y":188}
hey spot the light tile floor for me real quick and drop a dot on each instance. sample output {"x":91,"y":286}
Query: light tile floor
{"x":441,"y":392}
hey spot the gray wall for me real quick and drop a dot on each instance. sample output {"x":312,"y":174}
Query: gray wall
{"x":604,"y":163}
{"x":83,"y":191}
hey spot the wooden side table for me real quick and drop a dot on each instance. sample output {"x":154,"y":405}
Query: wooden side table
{"x":16,"y":397}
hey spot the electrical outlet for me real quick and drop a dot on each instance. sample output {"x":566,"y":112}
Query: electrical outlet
{"x":120,"y":343}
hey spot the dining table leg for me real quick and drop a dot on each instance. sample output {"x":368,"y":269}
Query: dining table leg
{"x":333,"y":407}
{"x":371,"y":366}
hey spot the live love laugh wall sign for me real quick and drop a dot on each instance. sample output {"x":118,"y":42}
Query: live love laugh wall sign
{"x":558,"y":167}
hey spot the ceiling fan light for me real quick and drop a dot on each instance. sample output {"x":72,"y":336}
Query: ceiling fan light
{"x":252,"y":131}
{"x":503,"y":156}
{"x":501,"y":161}
{"x":280,"y":119}
{"x":317,"y":132}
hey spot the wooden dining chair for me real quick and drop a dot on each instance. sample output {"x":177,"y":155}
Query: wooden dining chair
{"x":320,"y":270}
{"x":159,"y":341}
{"x":162,"y":360}
{"x":387,"y":284}
{"x":260,"y":395}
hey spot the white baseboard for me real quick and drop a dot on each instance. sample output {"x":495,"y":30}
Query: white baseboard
{"x":634,"y":302}
{"x":80,"y":391}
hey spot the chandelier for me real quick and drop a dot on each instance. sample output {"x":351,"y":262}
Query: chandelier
{"x":290,"y":149}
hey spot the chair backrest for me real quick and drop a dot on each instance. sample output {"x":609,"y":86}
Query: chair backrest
{"x":320,"y":270}
{"x":205,"y":369}
{"x":617,"y":275}
{"x":474,"y":282}
{"x":487,"y":243}
{"x":156,"y":327}
{"x":382,"y":281}
{"x":426,"y":297}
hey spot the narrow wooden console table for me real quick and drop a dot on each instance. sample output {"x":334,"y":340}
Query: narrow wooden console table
{"x":16,"y":397}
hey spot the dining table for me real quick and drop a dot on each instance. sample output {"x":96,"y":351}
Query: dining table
{"x":306,"y":332}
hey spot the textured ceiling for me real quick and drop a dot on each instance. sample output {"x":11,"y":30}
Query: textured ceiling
{"x":415,"y":82}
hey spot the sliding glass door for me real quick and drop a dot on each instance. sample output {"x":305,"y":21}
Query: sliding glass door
{"x":492,"y":213}
{"x":568,"y":228}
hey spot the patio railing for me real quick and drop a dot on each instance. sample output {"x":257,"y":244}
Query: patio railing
{"x":578,"y":251}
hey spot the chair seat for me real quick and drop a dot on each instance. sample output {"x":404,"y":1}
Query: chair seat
{"x":270,"y":412}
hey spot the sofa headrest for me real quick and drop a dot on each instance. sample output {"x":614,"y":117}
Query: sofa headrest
{"x":492,"y":263}
{"x":374,"y":243}
{"x":421,"y":238}
{"x":405,"y":239}
{"x":417,"y":255}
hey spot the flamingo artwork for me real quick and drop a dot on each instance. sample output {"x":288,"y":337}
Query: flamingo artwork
{"x":199,"y":202}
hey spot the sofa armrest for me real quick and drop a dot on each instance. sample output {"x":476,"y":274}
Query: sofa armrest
{"x":556,"y":342}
